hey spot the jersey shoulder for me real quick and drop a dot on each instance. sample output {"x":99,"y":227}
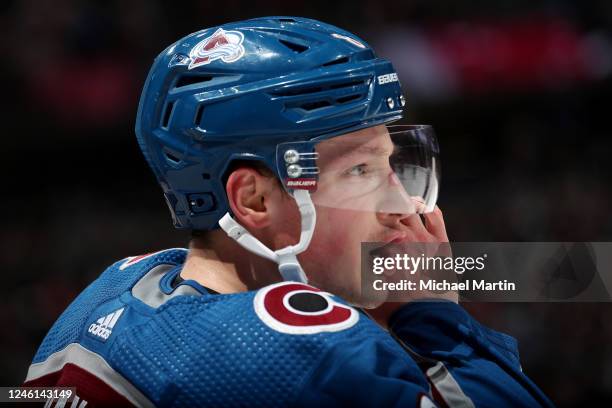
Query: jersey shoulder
{"x":179,"y":344}
{"x":118,"y":278}
{"x":257,"y":346}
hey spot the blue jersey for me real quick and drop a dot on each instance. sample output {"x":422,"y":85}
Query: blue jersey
{"x":140,"y":335}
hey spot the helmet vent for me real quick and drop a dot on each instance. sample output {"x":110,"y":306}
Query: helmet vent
{"x":286,"y":20}
{"x":348,"y":98}
{"x":311,"y":90}
{"x":341,"y":60}
{"x":315,"y":105}
{"x":171,"y":157}
{"x":198,"y":116}
{"x":167,"y":114}
{"x":359,"y":82}
{"x":299,"y":48}
{"x":187,"y":80}
{"x":300,"y":91}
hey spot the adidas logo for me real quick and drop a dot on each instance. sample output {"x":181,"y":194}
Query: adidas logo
{"x":103,"y":327}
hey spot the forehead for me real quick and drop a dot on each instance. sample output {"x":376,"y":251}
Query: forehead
{"x":374,"y":141}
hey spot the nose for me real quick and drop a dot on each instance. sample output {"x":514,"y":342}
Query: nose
{"x":394,"y":202}
{"x":392,"y":220}
{"x":394,"y":181}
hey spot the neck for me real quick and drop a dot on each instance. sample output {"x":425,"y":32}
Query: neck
{"x":217,"y":262}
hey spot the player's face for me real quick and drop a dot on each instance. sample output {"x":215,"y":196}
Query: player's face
{"x":346,"y":164}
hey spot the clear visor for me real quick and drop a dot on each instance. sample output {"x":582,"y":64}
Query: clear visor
{"x":386,"y":169}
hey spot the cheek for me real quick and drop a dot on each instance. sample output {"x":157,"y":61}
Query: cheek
{"x":333,"y":233}
{"x":336,"y":242}
{"x":286,"y":224}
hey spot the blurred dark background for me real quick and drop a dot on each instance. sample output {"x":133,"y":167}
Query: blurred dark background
{"x":518,"y":92}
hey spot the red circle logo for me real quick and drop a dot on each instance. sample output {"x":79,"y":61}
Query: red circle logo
{"x":296,"y":308}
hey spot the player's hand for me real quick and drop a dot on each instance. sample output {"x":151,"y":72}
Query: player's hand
{"x":431,"y":232}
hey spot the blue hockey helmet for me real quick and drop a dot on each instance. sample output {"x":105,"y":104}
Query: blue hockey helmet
{"x":240,"y":90}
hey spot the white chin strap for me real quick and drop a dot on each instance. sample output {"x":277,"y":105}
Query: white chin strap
{"x":286,"y":258}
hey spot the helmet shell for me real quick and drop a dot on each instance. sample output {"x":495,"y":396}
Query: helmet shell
{"x":236,"y":91}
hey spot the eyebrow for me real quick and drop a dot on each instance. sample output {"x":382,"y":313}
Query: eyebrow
{"x":339,"y":154}
{"x":373,"y":150}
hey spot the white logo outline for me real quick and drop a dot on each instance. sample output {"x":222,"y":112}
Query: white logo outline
{"x":273,"y":323}
{"x":231,"y":51}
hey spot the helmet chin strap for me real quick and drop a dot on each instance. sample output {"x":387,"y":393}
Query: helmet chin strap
{"x":288,"y":264}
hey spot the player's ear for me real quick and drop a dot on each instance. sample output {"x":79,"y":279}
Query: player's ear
{"x":249,"y":194}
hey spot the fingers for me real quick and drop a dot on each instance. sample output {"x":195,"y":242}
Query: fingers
{"x":422,"y":227}
{"x":434,"y":223}
{"x":414,"y":223}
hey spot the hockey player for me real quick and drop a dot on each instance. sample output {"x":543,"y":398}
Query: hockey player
{"x":269,"y":138}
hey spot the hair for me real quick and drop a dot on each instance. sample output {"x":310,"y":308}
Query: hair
{"x":256,"y":165}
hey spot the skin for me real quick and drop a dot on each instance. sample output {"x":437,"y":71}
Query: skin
{"x":350,"y":165}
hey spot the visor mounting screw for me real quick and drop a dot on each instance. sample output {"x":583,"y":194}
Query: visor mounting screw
{"x":291,"y":156}
{"x":402,"y":100}
{"x":294,"y":171}
{"x":390,"y":103}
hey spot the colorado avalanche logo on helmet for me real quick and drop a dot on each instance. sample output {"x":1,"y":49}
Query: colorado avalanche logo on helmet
{"x":223,"y":45}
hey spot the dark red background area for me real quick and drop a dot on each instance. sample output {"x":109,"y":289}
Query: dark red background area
{"x":518,"y":92}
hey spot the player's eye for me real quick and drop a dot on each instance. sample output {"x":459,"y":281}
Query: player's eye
{"x":359,"y":170}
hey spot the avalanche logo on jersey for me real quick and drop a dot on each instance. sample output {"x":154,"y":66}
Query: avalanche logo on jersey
{"x":223,"y":45}
{"x":103,"y":327}
{"x":295,"y":308}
